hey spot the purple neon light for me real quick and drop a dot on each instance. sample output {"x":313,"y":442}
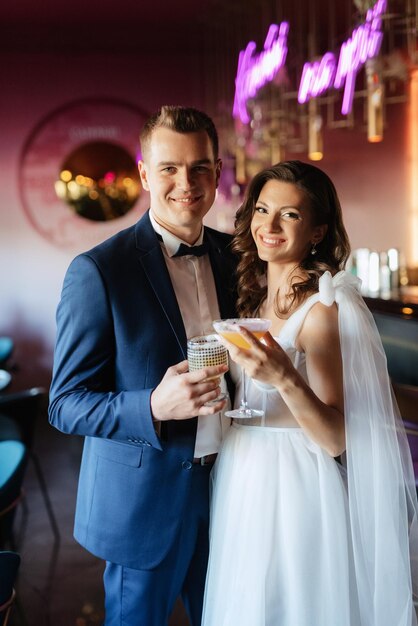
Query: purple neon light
{"x":364,"y":43}
{"x":255,"y":71}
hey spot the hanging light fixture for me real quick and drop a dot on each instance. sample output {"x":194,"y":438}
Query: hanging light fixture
{"x":315,"y":142}
{"x":277,"y":153}
{"x":412,"y":129}
{"x":375,"y":96}
{"x":240,"y":161}
{"x":276,"y":148}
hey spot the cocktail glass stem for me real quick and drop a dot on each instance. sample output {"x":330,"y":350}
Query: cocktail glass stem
{"x":244,"y":403}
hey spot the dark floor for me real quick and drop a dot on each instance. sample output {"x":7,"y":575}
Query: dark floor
{"x":60,"y":584}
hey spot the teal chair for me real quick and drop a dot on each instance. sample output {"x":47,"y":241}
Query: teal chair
{"x":19,"y":413}
{"x":9,"y":565}
{"x":6,"y":349}
{"x":13,"y":457}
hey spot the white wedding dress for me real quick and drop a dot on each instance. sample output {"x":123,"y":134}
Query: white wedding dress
{"x":298,"y":539}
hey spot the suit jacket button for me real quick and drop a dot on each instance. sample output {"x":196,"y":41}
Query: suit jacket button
{"x":186,"y":465}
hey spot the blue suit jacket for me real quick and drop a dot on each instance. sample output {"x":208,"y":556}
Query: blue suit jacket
{"x":119,"y":329}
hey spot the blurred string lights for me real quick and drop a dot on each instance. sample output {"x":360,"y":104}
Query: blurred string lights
{"x":99,"y":181}
{"x":291,"y":91}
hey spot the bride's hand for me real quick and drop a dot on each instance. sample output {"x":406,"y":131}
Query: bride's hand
{"x":266,"y":362}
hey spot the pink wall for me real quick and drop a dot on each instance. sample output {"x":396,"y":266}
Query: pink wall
{"x":371,"y":179}
{"x":32,"y":87}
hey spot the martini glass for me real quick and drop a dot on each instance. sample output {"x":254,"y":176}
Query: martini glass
{"x":229,"y":329}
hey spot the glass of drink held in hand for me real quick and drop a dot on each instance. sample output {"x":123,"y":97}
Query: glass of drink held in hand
{"x":229,"y":329}
{"x":207,"y":351}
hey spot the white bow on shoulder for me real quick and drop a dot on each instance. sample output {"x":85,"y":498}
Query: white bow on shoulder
{"x":331,"y":288}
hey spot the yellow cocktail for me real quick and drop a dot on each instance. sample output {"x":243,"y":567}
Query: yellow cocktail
{"x":237,"y":339}
{"x":229,"y":329}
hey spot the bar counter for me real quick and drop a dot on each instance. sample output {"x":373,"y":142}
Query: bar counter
{"x":402,"y":302}
{"x":396,"y":316}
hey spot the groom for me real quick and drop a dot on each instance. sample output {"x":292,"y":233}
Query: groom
{"x":121,"y":380}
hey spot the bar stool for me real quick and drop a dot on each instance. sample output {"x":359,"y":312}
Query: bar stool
{"x":6,"y":349}
{"x":13,"y":455}
{"x":9,"y":565}
{"x":23,"y":408}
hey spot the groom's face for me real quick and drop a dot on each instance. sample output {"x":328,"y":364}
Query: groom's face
{"x":181,"y":173}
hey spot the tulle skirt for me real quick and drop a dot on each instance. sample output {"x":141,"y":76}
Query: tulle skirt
{"x":280,"y":548}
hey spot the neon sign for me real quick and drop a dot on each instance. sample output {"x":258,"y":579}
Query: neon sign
{"x":364,"y":44}
{"x":255,"y":71}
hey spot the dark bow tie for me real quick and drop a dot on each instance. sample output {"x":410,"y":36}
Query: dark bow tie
{"x":193,"y":250}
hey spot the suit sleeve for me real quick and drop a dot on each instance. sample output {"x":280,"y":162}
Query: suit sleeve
{"x":83,"y":400}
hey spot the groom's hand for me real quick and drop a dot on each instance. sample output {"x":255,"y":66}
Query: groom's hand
{"x":182,"y":394}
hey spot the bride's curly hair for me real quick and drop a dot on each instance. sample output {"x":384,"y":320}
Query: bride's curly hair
{"x":331,"y":253}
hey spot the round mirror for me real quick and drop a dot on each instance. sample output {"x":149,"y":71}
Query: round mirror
{"x":99,"y":181}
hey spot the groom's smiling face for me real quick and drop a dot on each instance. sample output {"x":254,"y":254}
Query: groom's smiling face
{"x":181,"y":173}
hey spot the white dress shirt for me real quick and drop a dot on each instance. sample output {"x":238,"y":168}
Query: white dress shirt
{"x":194,"y":286}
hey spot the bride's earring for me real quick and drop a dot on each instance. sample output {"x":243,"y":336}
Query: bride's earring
{"x":313,"y":249}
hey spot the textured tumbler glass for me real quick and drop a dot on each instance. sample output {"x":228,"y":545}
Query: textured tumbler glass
{"x":206,"y":351}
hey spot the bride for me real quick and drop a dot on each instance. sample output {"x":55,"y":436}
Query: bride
{"x":314,"y":507}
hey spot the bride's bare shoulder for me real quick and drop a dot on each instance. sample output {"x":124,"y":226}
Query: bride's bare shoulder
{"x":320,"y":326}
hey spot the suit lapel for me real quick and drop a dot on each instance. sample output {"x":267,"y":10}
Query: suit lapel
{"x":152,"y":260}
